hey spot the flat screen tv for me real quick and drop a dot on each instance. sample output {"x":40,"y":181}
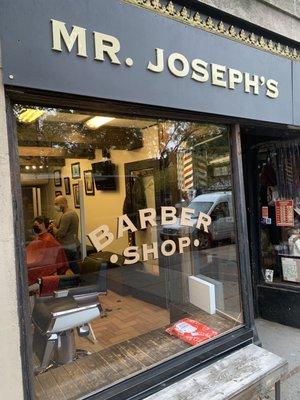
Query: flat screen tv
{"x":104,"y":174}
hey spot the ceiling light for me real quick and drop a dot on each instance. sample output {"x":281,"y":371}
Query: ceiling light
{"x":29,"y":115}
{"x":27,"y":167}
{"x":33,"y":167}
{"x":96,"y":122}
{"x":220,"y":160}
{"x":208,"y":140}
{"x":41,"y":167}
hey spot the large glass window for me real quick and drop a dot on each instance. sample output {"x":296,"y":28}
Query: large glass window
{"x":279,"y":210}
{"x":130,"y":243}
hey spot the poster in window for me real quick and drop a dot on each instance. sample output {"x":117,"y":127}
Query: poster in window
{"x":290,"y":269}
{"x":265,"y":212}
{"x":269,"y":275}
{"x":284,"y":211}
{"x":265,"y":220}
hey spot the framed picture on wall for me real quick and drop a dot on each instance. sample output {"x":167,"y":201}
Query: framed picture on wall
{"x":76,"y":195}
{"x":89,"y":183}
{"x":57,"y":178}
{"x":75,"y":169}
{"x":58,"y":193}
{"x":67,"y":185}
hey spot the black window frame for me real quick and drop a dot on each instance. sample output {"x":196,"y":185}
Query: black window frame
{"x":162,"y":375}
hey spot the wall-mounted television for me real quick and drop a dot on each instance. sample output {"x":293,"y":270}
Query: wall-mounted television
{"x":104,"y":174}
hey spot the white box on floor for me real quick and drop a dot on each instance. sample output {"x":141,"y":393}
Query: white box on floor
{"x":219,"y":291}
{"x":202,"y":294}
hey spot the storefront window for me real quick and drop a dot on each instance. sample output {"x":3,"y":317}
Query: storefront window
{"x":130,"y":243}
{"x":279,"y":194}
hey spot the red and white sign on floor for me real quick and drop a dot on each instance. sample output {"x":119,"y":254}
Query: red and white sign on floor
{"x":284,"y":210}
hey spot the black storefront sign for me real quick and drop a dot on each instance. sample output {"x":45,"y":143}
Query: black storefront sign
{"x":119,"y":46}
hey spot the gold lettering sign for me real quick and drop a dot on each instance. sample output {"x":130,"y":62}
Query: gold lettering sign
{"x":107,"y":48}
{"x":103,"y":237}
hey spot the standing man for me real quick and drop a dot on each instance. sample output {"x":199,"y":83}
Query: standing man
{"x":66,"y":232}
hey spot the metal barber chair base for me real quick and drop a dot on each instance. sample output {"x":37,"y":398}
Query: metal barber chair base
{"x":54,"y":322}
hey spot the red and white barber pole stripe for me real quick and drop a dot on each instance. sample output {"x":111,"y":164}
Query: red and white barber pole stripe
{"x":191,"y":170}
{"x":188,"y":170}
{"x":185,"y":170}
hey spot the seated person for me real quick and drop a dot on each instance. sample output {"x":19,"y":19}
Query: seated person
{"x":44,"y":255}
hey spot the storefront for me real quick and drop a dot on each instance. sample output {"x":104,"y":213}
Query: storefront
{"x":128,"y":126}
{"x":271,"y":167}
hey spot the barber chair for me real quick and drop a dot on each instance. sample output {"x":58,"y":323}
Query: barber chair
{"x":56,"y":318}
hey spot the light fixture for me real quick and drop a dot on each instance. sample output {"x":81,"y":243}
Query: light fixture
{"x":96,"y":122}
{"x":41,"y":167}
{"x":29,"y":115}
{"x":27,"y":167}
{"x":208,"y":140}
{"x":33,"y":167}
{"x":220,"y":160}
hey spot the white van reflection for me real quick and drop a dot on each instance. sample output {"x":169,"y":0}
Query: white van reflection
{"x":219,"y":206}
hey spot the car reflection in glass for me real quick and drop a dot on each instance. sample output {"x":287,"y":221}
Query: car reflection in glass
{"x":218,"y":206}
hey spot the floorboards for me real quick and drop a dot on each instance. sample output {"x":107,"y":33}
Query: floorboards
{"x":131,"y":337}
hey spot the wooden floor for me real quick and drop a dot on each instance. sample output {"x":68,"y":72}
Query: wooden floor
{"x":131,"y":338}
{"x":125,"y":318}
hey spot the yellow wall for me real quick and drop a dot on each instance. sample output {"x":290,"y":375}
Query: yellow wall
{"x":104,"y":207}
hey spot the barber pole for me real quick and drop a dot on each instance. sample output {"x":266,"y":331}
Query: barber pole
{"x":188,"y":171}
{"x":191,"y":170}
{"x":180,"y":169}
